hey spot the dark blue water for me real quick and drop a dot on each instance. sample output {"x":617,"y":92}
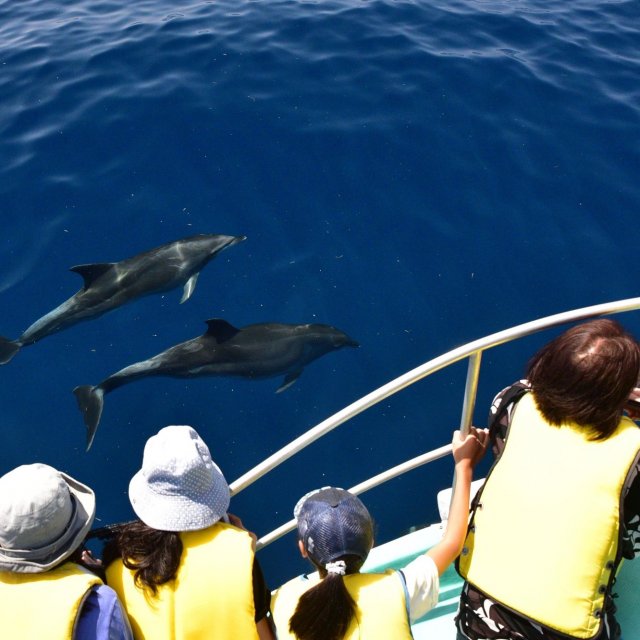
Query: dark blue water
{"x":418,"y":174}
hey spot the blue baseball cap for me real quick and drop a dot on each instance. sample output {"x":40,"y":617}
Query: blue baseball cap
{"x":333,"y":523}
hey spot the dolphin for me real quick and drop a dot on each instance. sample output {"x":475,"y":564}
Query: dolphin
{"x":255,"y":351}
{"x":109,"y":285}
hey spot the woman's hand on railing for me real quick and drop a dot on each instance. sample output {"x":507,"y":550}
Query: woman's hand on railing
{"x":469,"y":449}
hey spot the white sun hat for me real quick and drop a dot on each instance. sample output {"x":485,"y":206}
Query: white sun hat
{"x":179,"y":487}
{"x":45,"y":516}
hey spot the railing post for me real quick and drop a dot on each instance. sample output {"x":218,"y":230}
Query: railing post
{"x":470,"y":391}
{"x":469,"y":402}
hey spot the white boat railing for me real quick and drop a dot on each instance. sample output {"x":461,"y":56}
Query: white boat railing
{"x":472,"y":350}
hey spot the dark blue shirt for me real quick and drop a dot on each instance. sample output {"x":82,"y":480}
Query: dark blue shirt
{"x":102,"y":617}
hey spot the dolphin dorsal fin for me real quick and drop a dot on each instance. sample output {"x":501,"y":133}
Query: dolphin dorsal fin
{"x":91,"y":272}
{"x":221,"y":330}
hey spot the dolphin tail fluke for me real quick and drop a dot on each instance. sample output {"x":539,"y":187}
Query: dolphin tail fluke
{"x":8,"y":349}
{"x":90,"y":400}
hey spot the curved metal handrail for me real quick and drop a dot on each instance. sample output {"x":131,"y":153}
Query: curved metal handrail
{"x":472,"y":350}
{"x":372,"y":482}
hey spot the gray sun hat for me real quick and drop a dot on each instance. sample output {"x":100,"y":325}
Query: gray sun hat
{"x":332,"y":523}
{"x":45,"y":516}
{"x":179,"y":487}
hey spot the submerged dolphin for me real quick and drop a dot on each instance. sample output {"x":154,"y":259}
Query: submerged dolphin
{"x":111,"y":284}
{"x":255,"y":351}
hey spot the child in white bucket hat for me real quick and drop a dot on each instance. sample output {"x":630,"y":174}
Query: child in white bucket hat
{"x":186,"y":569}
{"x":179,"y":487}
{"x":45,"y":516}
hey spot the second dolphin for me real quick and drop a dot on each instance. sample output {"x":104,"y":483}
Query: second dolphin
{"x":255,"y":351}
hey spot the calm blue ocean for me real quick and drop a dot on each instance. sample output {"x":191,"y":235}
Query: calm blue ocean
{"x":418,"y":174}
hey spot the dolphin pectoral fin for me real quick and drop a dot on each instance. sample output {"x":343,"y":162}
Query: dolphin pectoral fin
{"x":289,"y":379}
{"x":90,"y":401}
{"x":221,"y":330}
{"x":8,"y":349}
{"x":189,"y":287}
{"x":91,"y":272}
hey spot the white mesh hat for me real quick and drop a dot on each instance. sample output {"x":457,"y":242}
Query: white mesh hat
{"x":179,"y":487}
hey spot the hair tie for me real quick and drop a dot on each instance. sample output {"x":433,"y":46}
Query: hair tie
{"x":338,"y":567}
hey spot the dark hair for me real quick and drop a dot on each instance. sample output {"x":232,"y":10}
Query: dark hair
{"x":586,"y":375}
{"x":325,"y":611}
{"x":154,"y":555}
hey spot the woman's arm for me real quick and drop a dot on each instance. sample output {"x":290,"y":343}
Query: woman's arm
{"x":467,"y":452}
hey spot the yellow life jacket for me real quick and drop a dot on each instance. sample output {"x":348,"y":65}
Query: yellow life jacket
{"x":380,"y":599}
{"x":211,"y":596}
{"x":43,"y":605}
{"x":544,"y":537}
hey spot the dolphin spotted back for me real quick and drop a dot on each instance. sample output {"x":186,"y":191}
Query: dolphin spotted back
{"x":256,"y":351}
{"x":112,"y":284}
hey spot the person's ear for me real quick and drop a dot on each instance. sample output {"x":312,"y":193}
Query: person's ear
{"x":303,"y":551}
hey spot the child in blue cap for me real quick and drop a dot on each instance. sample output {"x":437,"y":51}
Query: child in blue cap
{"x":335,"y":532}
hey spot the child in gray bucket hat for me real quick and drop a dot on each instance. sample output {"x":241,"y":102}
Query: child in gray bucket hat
{"x":186,"y":568}
{"x":335,"y":532}
{"x":45,"y":516}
